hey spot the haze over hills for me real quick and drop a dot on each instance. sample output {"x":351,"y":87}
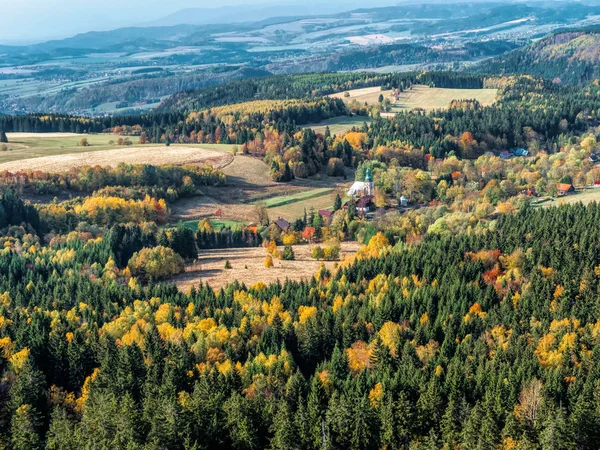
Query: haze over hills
{"x":134,"y":68}
{"x":259,"y":12}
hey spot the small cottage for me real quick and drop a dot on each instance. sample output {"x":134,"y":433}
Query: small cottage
{"x":326,"y":215}
{"x":283,"y":224}
{"x":565,"y":189}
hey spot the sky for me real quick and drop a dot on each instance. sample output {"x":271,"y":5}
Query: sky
{"x":30,"y":21}
{"x":26,"y":21}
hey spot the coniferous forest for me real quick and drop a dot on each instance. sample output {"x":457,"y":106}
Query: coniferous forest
{"x":488,"y":340}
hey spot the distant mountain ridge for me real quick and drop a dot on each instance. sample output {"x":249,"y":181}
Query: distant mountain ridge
{"x":568,"y":57}
{"x":242,"y":13}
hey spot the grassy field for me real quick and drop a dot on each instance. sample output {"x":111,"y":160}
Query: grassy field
{"x":221,"y":147}
{"x":300,"y":196}
{"x":247,"y":266}
{"x":28,"y":148}
{"x":420,"y":97}
{"x":175,"y":154}
{"x":216,"y":223}
{"x":340,"y":124}
{"x":294,"y":210}
{"x":585,"y":197}
{"x":29,"y":145}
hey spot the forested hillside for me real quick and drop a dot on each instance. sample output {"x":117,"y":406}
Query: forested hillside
{"x":566,"y":57}
{"x":486,"y":340}
{"x":310,"y":85}
{"x":137,"y":91}
{"x":465,"y":317}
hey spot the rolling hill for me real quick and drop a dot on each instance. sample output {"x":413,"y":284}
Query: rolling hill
{"x":570,"y":57}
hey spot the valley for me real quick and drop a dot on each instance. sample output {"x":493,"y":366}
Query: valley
{"x":131,"y":70}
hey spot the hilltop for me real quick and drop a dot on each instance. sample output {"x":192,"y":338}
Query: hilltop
{"x":568,"y":57}
{"x":133,"y":69}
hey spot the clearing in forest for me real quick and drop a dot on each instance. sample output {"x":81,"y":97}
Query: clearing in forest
{"x":420,"y":96}
{"x":156,"y":155}
{"x":247,"y":266}
{"x":249,"y":183}
{"x":339,"y":125}
{"x":22,"y":146}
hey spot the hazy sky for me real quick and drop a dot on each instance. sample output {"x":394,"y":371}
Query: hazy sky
{"x":32,"y":20}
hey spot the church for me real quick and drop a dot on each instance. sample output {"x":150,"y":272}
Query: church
{"x":362,"y":194}
{"x":363,"y":188}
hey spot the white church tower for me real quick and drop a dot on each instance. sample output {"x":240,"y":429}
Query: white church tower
{"x":369,"y":185}
{"x":363,"y":188}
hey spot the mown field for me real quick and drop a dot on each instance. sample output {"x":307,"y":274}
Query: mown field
{"x":249,"y":184}
{"x":216,"y":223}
{"x":295,"y":198}
{"x":27,"y":148}
{"x":420,"y":97}
{"x":291,"y":211}
{"x":247,"y":266}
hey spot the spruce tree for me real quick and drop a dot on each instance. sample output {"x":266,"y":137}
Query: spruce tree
{"x":288,"y":253}
{"x":315,"y":410}
{"x":283,"y":429}
{"x":24,"y":429}
{"x":387,"y":433}
{"x":584,"y":419}
{"x":29,"y":387}
{"x":555,"y":433}
{"x":61,"y":434}
{"x":363,"y":422}
{"x":337,"y":204}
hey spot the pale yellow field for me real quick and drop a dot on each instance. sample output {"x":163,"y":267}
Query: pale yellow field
{"x":156,"y":155}
{"x":369,"y":94}
{"x":12,"y":136}
{"x":23,"y":146}
{"x":421,"y":97}
{"x":248,"y":266}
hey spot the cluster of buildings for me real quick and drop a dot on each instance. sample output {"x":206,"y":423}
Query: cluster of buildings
{"x":507,"y":154}
{"x":362,"y":194}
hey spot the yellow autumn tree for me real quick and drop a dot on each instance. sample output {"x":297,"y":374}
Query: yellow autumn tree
{"x":268,"y":261}
{"x":390,"y":336}
{"x":156,"y":262}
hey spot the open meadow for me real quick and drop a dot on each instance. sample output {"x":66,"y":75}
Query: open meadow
{"x":153,"y":154}
{"x":238,"y":201}
{"x":419,"y":96}
{"x":247,"y":266}
{"x":248,"y":179}
{"x":61,"y":151}
{"x":341,"y":124}
{"x":586,"y":197}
